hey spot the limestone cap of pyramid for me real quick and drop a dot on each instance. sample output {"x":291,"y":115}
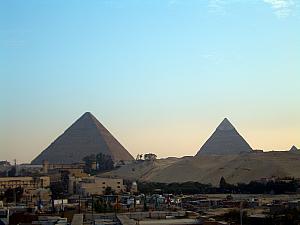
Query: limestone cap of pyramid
{"x":225,"y":125}
{"x":87,"y":114}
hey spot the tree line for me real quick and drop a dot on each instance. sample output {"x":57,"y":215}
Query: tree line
{"x":254,"y":187}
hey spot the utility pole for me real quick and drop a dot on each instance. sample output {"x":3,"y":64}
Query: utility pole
{"x":93,"y":209}
{"x":15,"y":162}
{"x":241,"y":213}
{"x":116,"y":205}
{"x":79,"y":205}
{"x":52,"y":204}
{"x":62,"y":206}
{"x":15,"y":196}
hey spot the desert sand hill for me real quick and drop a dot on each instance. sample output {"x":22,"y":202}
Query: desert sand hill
{"x":142,"y":170}
{"x":210,"y":168}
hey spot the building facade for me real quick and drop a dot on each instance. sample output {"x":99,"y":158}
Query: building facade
{"x":24,"y":182}
{"x":98,"y":186}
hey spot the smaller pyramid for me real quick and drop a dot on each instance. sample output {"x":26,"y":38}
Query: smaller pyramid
{"x":294,"y":149}
{"x":225,"y":140}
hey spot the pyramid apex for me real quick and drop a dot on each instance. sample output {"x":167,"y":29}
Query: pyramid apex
{"x":88,"y":113}
{"x":294,"y":148}
{"x":225,"y":125}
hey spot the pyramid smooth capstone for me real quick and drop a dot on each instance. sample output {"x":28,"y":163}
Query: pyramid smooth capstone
{"x":225,"y":140}
{"x":84,"y":137}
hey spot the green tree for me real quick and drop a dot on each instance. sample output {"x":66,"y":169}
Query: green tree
{"x":222,"y":183}
{"x":104,"y":162}
{"x":150,"y":157}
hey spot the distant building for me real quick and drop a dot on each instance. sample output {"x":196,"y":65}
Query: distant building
{"x":98,"y":186}
{"x":4,"y":168}
{"x":24,"y":182}
{"x":4,"y":163}
{"x":295,"y":204}
{"x":39,"y":196}
{"x":214,"y":223}
{"x":48,"y":167}
{"x":134,"y":187}
{"x":27,"y":170}
{"x":50,"y":220}
{"x":4,"y":215}
{"x":58,"y":172}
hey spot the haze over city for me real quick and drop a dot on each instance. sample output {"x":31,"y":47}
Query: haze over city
{"x":160,"y":75}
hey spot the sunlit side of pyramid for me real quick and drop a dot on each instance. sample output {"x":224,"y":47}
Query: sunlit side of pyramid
{"x":225,"y":140}
{"x":84,"y":137}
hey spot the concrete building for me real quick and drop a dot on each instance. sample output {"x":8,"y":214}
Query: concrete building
{"x":37,"y":196}
{"x":25,"y":170}
{"x":24,"y":182}
{"x":134,"y":187}
{"x":295,"y":204}
{"x":50,"y":166}
{"x":98,"y":185}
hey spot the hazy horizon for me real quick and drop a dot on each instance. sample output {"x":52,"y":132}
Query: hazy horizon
{"x":160,"y":75}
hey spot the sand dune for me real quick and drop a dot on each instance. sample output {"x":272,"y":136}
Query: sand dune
{"x":210,"y":168}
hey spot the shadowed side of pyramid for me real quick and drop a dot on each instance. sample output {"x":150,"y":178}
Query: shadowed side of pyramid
{"x":84,"y":137}
{"x":225,"y":140}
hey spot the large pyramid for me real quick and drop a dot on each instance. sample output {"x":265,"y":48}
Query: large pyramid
{"x":225,"y":140}
{"x":84,"y":137}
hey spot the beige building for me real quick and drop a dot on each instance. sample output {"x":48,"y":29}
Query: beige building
{"x":50,"y":166}
{"x":98,"y":185}
{"x":134,"y":187}
{"x":35,"y":195}
{"x":24,"y":182}
{"x":56,"y":172}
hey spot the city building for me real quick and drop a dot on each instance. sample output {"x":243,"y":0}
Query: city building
{"x":24,"y":182}
{"x":98,"y":185}
{"x":51,"y":166}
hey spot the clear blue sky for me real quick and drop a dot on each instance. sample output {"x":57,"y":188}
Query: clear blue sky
{"x":159,"y":74}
